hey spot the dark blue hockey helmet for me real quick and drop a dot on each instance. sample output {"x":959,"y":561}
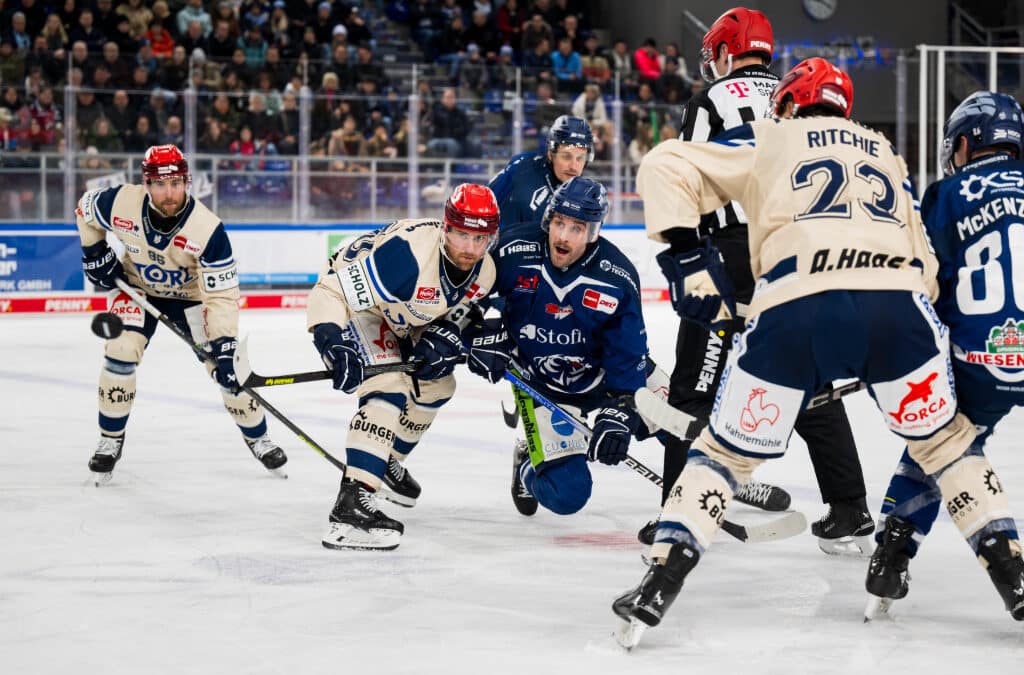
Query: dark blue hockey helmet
{"x":582,"y":199}
{"x":986,"y":119}
{"x":568,"y":130}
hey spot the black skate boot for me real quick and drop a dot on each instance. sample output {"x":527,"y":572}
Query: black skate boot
{"x":888,"y":577}
{"x":845,"y":529}
{"x":646,"y":534}
{"x":763,"y":496}
{"x":357,"y":523}
{"x":645,"y":605}
{"x":399,"y":487}
{"x":270,"y":455}
{"x":525,"y":502}
{"x":102,"y":462}
{"x":1006,"y":569}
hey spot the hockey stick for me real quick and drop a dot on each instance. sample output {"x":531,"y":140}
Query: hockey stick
{"x":787,"y":525}
{"x":142,"y":302}
{"x":252,"y":379}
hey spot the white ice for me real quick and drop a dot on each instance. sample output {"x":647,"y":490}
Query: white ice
{"x":194,"y":559}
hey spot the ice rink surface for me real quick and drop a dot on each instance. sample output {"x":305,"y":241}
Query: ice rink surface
{"x":194,"y":559}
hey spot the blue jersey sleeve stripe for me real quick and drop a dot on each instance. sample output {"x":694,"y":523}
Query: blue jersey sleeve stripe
{"x":371,"y":271}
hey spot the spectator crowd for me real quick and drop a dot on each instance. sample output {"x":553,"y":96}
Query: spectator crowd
{"x":130,"y":60}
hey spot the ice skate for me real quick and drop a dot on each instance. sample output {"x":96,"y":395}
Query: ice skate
{"x":763,"y":496}
{"x":1006,"y":569}
{"x":399,"y":487}
{"x":846,"y":529}
{"x":525,"y":502}
{"x":269,"y":454}
{"x":102,"y":463}
{"x":888,"y":577}
{"x":357,"y":523}
{"x":645,"y":605}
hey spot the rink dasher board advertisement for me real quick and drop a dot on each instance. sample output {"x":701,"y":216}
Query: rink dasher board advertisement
{"x":41,"y":271}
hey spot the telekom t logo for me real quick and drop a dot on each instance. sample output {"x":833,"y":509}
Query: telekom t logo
{"x":738,"y":89}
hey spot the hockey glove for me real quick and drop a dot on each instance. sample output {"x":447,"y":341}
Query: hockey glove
{"x":222,"y":351}
{"x":489,"y":349}
{"x":698,"y":284}
{"x":101,"y":266}
{"x":612,"y":431}
{"x":438,"y":350}
{"x":341,"y":354}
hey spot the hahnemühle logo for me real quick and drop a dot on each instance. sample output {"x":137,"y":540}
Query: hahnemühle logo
{"x":1006,"y":339}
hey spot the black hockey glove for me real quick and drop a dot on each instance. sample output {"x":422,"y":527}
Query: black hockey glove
{"x":698,"y":284}
{"x":438,"y":350}
{"x":489,"y":349}
{"x":341,"y":354}
{"x":222,"y":351}
{"x":101,"y":266}
{"x":612,"y":431}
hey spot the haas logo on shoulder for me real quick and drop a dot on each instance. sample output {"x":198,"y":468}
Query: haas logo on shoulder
{"x":757,"y":411}
{"x":603,"y":303}
{"x":929,"y":405}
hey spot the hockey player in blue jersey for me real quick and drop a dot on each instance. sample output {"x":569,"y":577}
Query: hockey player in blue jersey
{"x":972,"y":218}
{"x":573,"y":326}
{"x":525,"y":185}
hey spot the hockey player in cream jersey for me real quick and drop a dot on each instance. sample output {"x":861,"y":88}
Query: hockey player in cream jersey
{"x":398,"y":294}
{"x":178,"y":253}
{"x":735,"y":54}
{"x":842,"y":266}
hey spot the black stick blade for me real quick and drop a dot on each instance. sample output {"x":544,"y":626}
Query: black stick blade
{"x":107,"y":326}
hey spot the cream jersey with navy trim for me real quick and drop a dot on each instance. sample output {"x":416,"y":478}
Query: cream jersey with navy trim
{"x":829,"y":205}
{"x":192,"y":262}
{"x":396,"y":273}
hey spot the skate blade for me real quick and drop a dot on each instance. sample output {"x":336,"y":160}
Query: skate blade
{"x":851,"y":547}
{"x":877,"y":609}
{"x":279,"y":472}
{"x":101,"y":478}
{"x":341,"y":537}
{"x":395,"y":498}
{"x":628,"y":633}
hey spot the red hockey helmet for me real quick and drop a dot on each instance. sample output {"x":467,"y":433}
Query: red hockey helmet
{"x":814,"y":82}
{"x":742,"y":31}
{"x":164,"y":161}
{"x":472,"y":208}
